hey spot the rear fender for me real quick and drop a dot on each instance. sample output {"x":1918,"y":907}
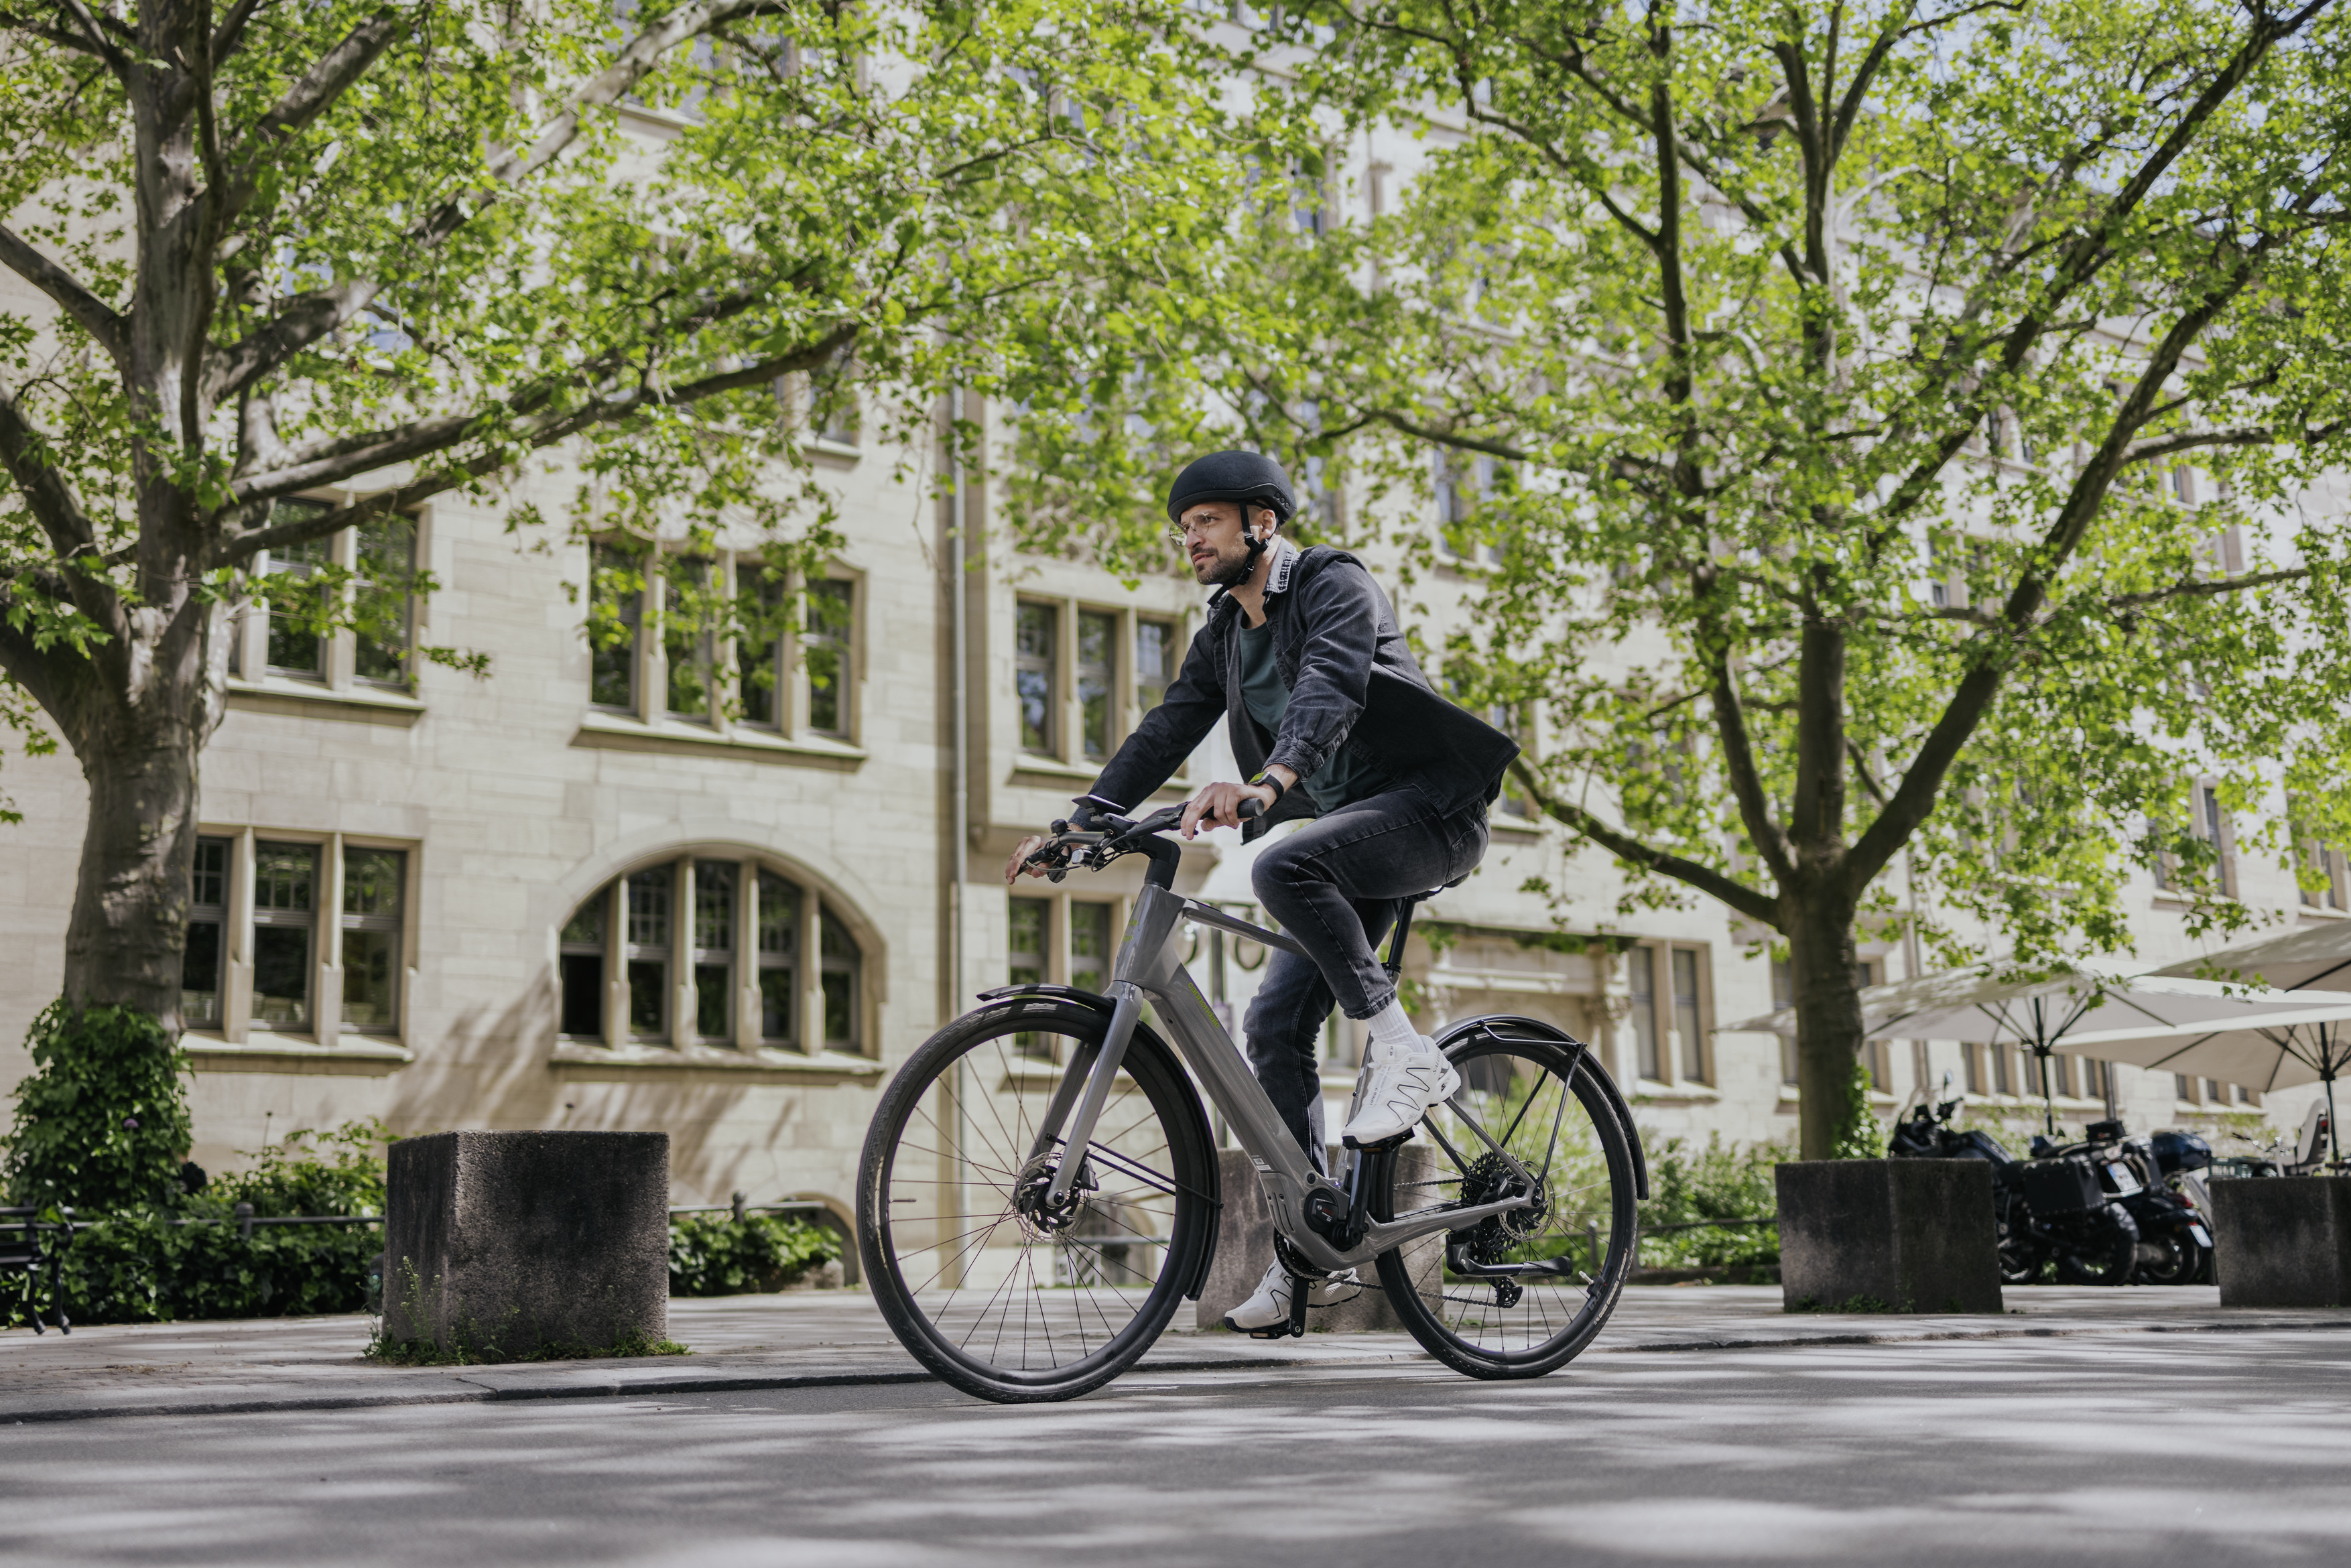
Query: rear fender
{"x":1503,"y":1024}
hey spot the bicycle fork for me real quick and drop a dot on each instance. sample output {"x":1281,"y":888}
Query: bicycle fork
{"x":1126,"y":1000}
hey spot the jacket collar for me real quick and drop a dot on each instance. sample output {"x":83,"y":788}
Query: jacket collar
{"x":1285,"y":561}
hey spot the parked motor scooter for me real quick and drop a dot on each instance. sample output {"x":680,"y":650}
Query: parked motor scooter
{"x":2044,"y":1211}
{"x":2175,"y":1246}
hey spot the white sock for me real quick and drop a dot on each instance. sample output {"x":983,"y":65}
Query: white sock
{"x":1393,"y":1032}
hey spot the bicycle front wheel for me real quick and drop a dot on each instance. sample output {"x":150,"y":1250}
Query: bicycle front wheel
{"x":1530,"y":1112}
{"x":1000,"y":1292}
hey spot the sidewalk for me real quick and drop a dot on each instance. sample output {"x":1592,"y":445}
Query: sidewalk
{"x":835,"y":1337}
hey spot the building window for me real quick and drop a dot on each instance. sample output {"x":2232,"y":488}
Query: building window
{"x":580,"y":969}
{"x":1090,"y":948}
{"x":2003,"y":1080}
{"x":824,"y":653}
{"x":616,"y":597}
{"x":1097,"y":680}
{"x":2320,"y":874}
{"x":1036,"y":637}
{"x":373,"y":883}
{"x":1642,"y":963}
{"x":293,"y":630}
{"x":1684,"y":962}
{"x":295,"y":642}
{"x":317,"y":943}
{"x":708,"y":952}
{"x":384,"y":565}
{"x":713,"y":950}
{"x":1154,"y":663}
{"x":285,"y":918}
{"x":201,"y":963}
{"x":839,"y":962}
{"x":779,"y":915}
{"x":648,"y":954}
{"x":687,"y":644}
{"x":2183,"y":1088}
{"x":2213,"y":827}
{"x":1031,"y":921}
{"x":1972,"y":1055}
{"x":759,"y":654}
{"x":1668,"y":997}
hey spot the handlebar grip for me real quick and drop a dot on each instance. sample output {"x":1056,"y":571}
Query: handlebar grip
{"x":1250,"y":809}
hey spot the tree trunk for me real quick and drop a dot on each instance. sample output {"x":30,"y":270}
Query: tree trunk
{"x":129,"y":928}
{"x":1820,"y":961}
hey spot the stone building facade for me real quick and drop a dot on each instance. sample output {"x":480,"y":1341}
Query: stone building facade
{"x":713,"y":891}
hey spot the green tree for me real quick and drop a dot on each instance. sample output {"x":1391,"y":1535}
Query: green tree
{"x":1892,"y":423}
{"x":396,"y":248}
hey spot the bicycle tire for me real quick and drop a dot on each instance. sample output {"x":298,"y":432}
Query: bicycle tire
{"x":1480,"y":1345}
{"x":1023,"y":1342}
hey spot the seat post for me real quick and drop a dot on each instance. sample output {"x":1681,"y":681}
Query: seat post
{"x":1404,"y":906}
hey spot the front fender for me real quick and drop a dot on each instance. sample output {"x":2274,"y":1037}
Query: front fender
{"x":1195,"y":1269}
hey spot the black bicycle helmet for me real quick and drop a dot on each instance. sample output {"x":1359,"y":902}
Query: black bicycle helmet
{"x":1250,"y":478}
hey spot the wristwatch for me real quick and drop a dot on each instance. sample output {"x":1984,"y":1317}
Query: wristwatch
{"x":1265,"y":776}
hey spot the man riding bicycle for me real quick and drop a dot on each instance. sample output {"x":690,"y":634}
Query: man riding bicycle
{"x":1332,"y":720}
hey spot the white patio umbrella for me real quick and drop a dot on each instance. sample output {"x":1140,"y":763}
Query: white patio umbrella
{"x":2314,"y":958}
{"x":1977,"y":1006}
{"x":2275,"y":1050}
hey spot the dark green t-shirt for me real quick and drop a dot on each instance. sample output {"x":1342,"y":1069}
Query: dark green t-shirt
{"x":1341,"y":780}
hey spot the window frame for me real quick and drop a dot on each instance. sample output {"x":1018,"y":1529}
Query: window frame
{"x":235,"y":1026}
{"x":1058,"y":964}
{"x":338,"y":674}
{"x":1672,"y":1054}
{"x":1067,"y":680}
{"x":755,"y":875}
{"x":789,"y":718}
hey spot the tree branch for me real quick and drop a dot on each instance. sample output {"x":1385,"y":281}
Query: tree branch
{"x":1706,"y":879}
{"x":26,"y":454}
{"x":92,"y":314}
{"x":304,"y":103}
{"x":2206,"y":586}
{"x":534,"y":435}
{"x":309,"y":318}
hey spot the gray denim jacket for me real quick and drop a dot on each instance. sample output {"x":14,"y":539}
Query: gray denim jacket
{"x":1352,"y":682}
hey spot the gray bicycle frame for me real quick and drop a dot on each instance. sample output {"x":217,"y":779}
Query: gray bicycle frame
{"x":1148,"y":968}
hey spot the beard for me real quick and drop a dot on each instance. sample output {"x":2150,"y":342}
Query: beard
{"x":1226,"y":573}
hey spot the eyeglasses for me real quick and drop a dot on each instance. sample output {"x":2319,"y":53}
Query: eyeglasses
{"x":1179,"y":535}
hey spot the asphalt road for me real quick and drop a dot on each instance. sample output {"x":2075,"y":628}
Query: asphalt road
{"x":2219,"y":1448}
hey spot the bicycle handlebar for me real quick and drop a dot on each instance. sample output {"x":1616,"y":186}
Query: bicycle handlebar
{"x":1097,"y":838}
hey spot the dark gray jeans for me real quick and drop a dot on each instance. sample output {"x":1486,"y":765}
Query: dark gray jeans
{"x":1333,"y":886}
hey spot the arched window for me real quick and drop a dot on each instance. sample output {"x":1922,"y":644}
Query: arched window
{"x":704,"y":950}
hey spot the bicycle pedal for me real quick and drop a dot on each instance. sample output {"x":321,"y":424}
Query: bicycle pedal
{"x":1381,"y":1146}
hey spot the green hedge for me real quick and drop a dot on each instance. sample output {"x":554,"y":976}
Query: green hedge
{"x":101,"y":1120}
{"x":1691,"y":1184}
{"x":719,"y":1255}
{"x":140,"y":1268}
{"x":134,"y":1265}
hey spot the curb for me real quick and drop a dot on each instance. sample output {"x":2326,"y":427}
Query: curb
{"x":723,"y":1382}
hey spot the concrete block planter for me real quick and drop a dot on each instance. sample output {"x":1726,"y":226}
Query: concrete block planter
{"x":1889,"y":1236}
{"x":2282,"y":1241}
{"x":507,"y":1245}
{"x":1245,"y":1251}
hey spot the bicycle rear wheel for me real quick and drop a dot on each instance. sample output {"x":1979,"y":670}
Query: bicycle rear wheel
{"x":1533,"y":1106}
{"x":1000,"y":1294}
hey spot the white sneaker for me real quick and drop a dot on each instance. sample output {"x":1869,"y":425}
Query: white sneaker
{"x":1269,"y":1308}
{"x":1401,"y":1090}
